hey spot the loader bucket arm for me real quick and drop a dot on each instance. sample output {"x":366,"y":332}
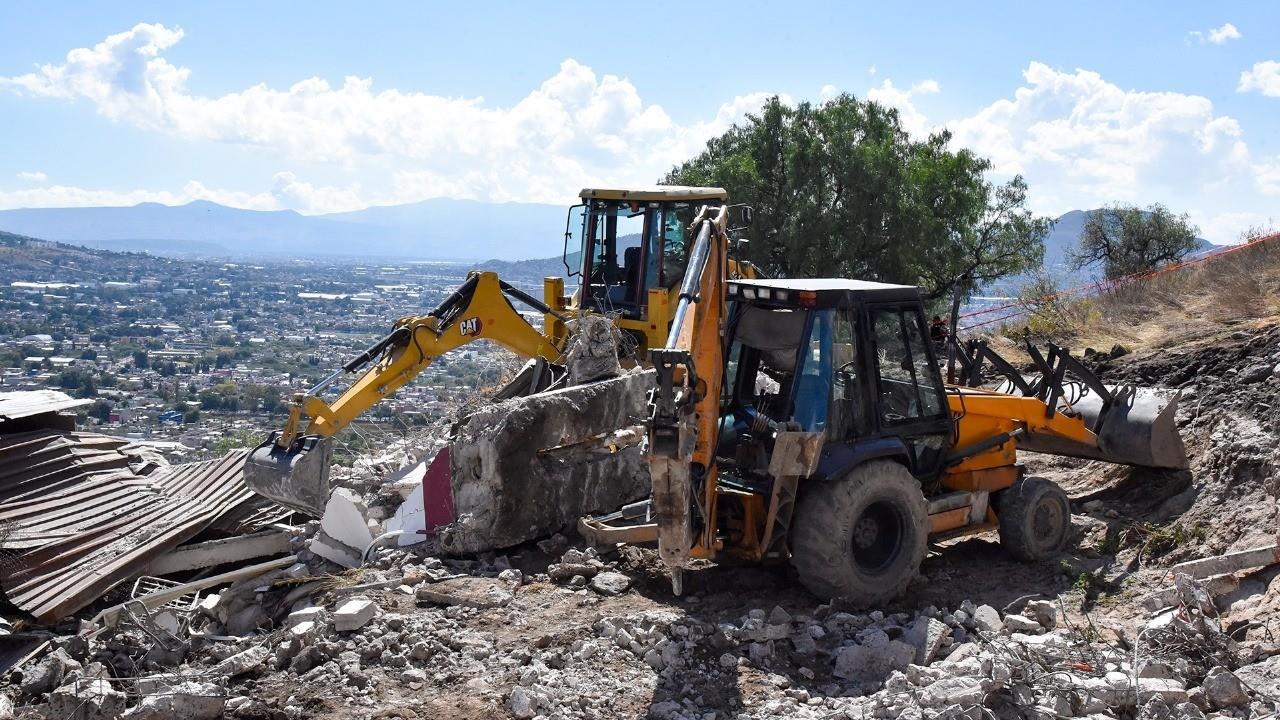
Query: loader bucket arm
{"x":1067,"y":410}
{"x":292,"y":466}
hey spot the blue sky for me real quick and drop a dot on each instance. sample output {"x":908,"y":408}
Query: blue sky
{"x":333,"y":107}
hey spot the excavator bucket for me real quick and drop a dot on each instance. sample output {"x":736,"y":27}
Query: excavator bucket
{"x":297,"y":477}
{"x":1134,"y":426}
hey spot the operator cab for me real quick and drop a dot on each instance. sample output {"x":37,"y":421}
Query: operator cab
{"x":847,"y":358}
{"x":631,"y":241}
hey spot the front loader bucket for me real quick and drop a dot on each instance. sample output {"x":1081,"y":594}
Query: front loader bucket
{"x":297,"y":478}
{"x":1135,"y":428}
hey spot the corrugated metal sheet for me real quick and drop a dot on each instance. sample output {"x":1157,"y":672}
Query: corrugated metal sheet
{"x":82,"y":523}
{"x":15,"y":405}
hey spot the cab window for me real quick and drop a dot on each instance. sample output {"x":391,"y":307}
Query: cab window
{"x":907,"y":385}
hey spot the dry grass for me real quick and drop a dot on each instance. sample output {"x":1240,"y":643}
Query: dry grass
{"x":1179,"y":306}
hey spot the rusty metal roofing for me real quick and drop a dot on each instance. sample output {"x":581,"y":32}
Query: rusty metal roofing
{"x":15,"y":405}
{"x":79,"y":522}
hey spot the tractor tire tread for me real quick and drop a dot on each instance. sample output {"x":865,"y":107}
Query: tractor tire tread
{"x":822,"y":536}
{"x":1016,"y":504}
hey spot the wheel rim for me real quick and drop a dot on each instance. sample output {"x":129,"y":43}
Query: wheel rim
{"x":1047,"y":522}
{"x":878,"y":534}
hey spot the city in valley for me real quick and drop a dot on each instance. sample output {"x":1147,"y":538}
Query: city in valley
{"x":198,"y":356}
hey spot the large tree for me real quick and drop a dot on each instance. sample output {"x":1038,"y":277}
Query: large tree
{"x":1127,"y":239}
{"x":840,"y":189}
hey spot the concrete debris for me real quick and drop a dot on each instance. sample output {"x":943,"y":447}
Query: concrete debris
{"x":187,"y":701}
{"x":473,"y":592}
{"x":593,"y":349}
{"x":268,"y":543}
{"x":243,"y":662}
{"x":610,"y":583}
{"x":502,"y":499}
{"x":86,"y":699}
{"x":354,"y":614}
{"x":1021,"y":624}
{"x":1222,"y":689}
{"x":987,"y":619}
{"x":344,"y":532}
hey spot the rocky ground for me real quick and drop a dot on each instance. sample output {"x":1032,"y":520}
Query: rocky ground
{"x":557,"y":630}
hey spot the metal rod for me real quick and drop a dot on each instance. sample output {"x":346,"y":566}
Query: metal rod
{"x":315,"y":390}
{"x":529,"y":300}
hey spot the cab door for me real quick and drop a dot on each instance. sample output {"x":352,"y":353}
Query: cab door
{"x":910,"y":399}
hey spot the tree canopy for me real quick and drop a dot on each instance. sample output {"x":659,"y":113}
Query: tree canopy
{"x":1127,"y":239}
{"x":841,"y":189}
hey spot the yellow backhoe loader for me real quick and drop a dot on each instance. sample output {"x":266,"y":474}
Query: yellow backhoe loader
{"x":626,"y":247}
{"x":807,"y":421}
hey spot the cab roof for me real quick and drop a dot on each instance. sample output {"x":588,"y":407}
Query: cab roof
{"x":820,"y":292}
{"x":651,"y":193}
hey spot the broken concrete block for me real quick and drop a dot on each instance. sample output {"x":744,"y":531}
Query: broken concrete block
{"x":188,"y":701}
{"x":523,"y":705}
{"x":344,"y":531}
{"x":1223,"y":689}
{"x":243,"y":662}
{"x":873,"y":661}
{"x":504,"y":494}
{"x":410,"y":518}
{"x":926,"y":636}
{"x":86,"y":699}
{"x":610,"y":583}
{"x":47,"y":674}
{"x":1263,"y":677}
{"x":1171,"y":691}
{"x":314,"y":613}
{"x":6,"y":708}
{"x":476,"y":592}
{"x":1021,"y":624}
{"x":953,"y":691}
{"x":1044,"y":612}
{"x":987,"y":619}
{"x":303,"y":629}
{"x":335,"y":552}
{"x":354,"y":614}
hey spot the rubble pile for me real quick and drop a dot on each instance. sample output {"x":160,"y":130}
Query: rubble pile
{"x":1231,"y":422}
{"x":577,"y":639}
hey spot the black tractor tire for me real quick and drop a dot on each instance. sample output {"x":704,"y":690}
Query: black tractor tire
{"x":861,"y":536}
{"x":1035,"y":519}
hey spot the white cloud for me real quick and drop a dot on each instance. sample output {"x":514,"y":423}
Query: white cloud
{"x":1087,"y":141}
{"x":1220,"y":35}
{"x":872,"y":70}
{"x":286,"y":193}
{"x":1267,"y":173}
{"x":1217,"y":36}
{"x":35,"y":176}
{"x":889,"y":95}
{"x":575,"y":128}
{"x":926,"y":87}
{"x":1263,"y":77}
{"x":828,"y":92}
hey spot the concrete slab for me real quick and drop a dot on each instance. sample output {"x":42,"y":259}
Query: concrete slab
{"x":218,"y":552}
{"x":505,"y":494}
{"x":344,"y":519}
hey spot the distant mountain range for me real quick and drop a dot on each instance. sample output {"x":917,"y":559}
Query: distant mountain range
{"x":439,"y":229}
